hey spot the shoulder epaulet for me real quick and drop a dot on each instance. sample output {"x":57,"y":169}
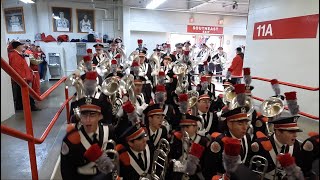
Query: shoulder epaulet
{"x":178,"y":135}
{"x":264,"y":141}
{"x":215,"y":135}
{"x":216,"y":177}
{"x":123,"y":155}
{"x":72,"y":134}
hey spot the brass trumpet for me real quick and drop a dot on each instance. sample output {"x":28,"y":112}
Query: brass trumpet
{"x":160,"y":160}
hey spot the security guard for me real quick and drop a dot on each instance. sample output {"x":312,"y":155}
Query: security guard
{"x":80,"y":137}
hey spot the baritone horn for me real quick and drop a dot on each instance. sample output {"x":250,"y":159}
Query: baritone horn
{"x":110,"y":87}
{"x":192,"y":101}
{"x":271,"y":108}
{"x":259,"y":165}
{"x":76,"y":81}
{"x":248,"y":103}
{"x":160,"y":163}
{"x":228,"y":94}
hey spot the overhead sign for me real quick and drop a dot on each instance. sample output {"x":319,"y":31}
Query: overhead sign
{"x":289,"y":28}
{"x":204,"y":29}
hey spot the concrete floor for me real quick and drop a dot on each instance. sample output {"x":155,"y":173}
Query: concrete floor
{"x":15,"y":162}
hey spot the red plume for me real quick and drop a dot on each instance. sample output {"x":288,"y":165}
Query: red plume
{"x":86,"y":58}
{"x":196,"y":150}
{"x":91,"y":75}
{"x":183,"y":97}
{"x":205,"y":63}
{"x":160,"y":88}
{"x":286,"y":159}
{"x":291,"y":95}
{"x":118,"y":56}
{"x":161,"y":73}
{"x":232,"y":147}
{"x":246,"y":71}
{"x":93,"y":153}
{"x":140,"y":41}
{"x":135,"y":63}
{"x":89,"y":50}
{"x":128,"y":107}
{"x":113,"y":61}
{"x":239,"y":88}
{"x":203,"y":79}
{"x":186,"y":53}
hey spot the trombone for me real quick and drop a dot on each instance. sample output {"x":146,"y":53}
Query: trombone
{"x":160,"y":163}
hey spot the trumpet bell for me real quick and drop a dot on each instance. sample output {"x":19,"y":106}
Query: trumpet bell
{"x":272,"y":107}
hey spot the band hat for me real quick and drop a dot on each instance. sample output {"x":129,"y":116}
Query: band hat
{"x":89,"y":104}
{"x":134,"y":132}
{"x":15,"y":44}
{"x":142,"y":52}
{"x":237,"y":114}
{"x":98,"y":46}
{"x":153,"y":109}
{"x":139,"y":80}
{"x":179,"y":45}
{"x":287,"y":123}
{"x":167,"y":57}
{"x":190,"y":120}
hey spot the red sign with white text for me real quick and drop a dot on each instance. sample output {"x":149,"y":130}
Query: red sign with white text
{"x":204,"y":29}
{"x":289,"y":28}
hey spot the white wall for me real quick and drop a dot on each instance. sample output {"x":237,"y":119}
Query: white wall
{"x":290,"y":60}
{"x":7,"y":107}
{"x":38,"y":19}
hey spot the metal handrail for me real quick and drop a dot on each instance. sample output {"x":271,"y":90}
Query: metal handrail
{"x":25,"y":89}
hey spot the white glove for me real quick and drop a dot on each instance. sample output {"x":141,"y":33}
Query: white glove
{"x":104,"y":164}
{"x":141,"y":108}
{"x":120,"y":113}
{"x":141,"y":74}
{"x":154,"y":73}
{"x":192,"y":164}
{"x":219,"y":114}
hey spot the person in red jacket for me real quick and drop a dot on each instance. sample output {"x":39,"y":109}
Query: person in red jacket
{"x":237,"y":65}
{"x":19,"y":64}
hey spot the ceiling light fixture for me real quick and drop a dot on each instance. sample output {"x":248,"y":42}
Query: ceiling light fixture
{"x":154,"y":4}
{"x":27,"y":1}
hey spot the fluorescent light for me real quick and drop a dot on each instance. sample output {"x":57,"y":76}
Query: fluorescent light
{"x":27,"y":1}
{"x":154,"y":4}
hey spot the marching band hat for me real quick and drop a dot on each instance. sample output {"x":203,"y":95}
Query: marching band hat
{"x":204,"y":44}
{"x":142,"y":52}
{"x":287,"y":123}
{"x":139,"y":80}
{"x":154,"y":109}
{"x":167,"y":57}
{"x":237,"y":114}
{"x":118,"y":40}
{"x":187,"y":42}
{"x":134,"y":132}
{"x":248,"y":90}
{"x":140,"y":41}
{"x":228,"y":82}
{"x":179,"y":45}
{"x":190,"y":120}
{"x":98,"y":46}
{"x":220,"y":48}
{"x":89,"y":104}
{"x":15,"y":44}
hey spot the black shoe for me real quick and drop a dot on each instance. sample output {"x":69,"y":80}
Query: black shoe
{"x":35,"y":109}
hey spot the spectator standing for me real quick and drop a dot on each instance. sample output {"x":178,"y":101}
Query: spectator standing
{"x":237,"y":65}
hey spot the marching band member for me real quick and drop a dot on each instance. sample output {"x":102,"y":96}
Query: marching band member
{"x":219,"y":60}
{"x":141,"y":103}
{"x":99,"y":55}
{"x":140,"y":45}
{"x":145,"y":71}
{"x":77,"y":145}
{"x":178,"y":56}
{"x":193,"y":154}
{"x":161,"y":98}
{"x":89,"y":53}
{"x":310,"y":153}
{"x":237,"y":123}
{"x":154,"y":117}
{"x":209,"y":119}
{"x":135,"y":154}
{"x":202,"y":56}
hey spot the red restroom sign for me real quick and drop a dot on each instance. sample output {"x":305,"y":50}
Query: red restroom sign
{"x":204,"y":29}
{"x":289,"y":28}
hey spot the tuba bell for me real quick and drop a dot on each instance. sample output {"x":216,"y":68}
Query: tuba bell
{"x":180,"y":69}
{"x":76,"y":81}
{"x":154,"y":62}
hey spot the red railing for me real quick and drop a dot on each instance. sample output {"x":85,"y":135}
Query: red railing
{"x":28,"y":136}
